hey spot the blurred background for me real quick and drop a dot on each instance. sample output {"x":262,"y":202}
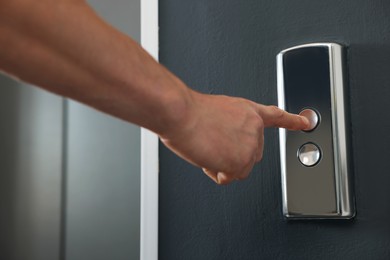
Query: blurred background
{"x":69,"y":175}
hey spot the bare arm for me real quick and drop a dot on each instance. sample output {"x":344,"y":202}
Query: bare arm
{"x":64,"y":47}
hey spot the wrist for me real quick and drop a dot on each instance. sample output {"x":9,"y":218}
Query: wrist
{"x":175,"y":110}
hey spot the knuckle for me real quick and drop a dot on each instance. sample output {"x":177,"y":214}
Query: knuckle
{"x":259,"y":126}
{"x":277,"y":112}
{"x":244,"y":173}
{"x":224,"y":181}
{"x":247,"y":160}
{"x":242,"y":177}
{"x":260,"y":151}
{"x":259,"y":157}
{"x":223,"y":178}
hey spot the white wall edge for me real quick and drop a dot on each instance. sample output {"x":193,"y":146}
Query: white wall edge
{"x":149,"y":146}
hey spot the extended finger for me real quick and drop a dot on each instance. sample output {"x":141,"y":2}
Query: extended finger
{"x":275,"y":117}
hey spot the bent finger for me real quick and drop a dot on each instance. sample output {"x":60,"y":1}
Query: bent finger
{"x":259,"y":152}
{"x":246,"y":171}
{"x":223,"y":178}
{"x":212,"y":175}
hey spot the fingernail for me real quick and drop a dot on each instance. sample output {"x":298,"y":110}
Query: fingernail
{"x":219,"y":178}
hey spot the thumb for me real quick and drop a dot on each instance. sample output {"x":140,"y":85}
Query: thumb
{"x":275,"y":117}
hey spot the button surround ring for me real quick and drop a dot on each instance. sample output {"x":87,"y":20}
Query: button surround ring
{"x":309,"y":154}
{"x":313,"y":116}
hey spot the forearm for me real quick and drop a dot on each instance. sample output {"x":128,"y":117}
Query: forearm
{"x":81,"y":57}
{"x":64,"y":47}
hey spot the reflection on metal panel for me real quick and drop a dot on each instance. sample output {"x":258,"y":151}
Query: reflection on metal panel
{"x":30,"y":172}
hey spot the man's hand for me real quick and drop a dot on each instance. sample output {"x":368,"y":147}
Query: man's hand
{"x":225,"y":135}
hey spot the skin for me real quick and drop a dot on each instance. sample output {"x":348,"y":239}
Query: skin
{"x":64,"y":47}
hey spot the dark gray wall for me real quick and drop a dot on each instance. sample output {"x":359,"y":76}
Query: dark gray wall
{"x":229,"y":47}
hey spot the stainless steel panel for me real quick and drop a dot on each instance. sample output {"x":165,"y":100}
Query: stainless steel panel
{"x":311,"y":76}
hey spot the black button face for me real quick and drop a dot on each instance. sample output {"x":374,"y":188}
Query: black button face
{"x":309,"y":154}
{"x":313,"y":118}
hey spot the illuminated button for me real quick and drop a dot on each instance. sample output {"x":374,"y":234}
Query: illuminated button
{"x":313,"y":118}
{"x":309,"y":154}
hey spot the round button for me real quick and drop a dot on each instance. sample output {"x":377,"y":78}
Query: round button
{"x":309,"y":154}
{"x":313,"y":118}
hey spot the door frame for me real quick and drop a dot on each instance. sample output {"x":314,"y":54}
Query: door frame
{"x":149,"y":146}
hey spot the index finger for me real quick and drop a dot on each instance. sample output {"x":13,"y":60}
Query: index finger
{"x":275,"y":117}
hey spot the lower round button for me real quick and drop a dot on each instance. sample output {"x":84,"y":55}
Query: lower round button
{"x":309,"y":154}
